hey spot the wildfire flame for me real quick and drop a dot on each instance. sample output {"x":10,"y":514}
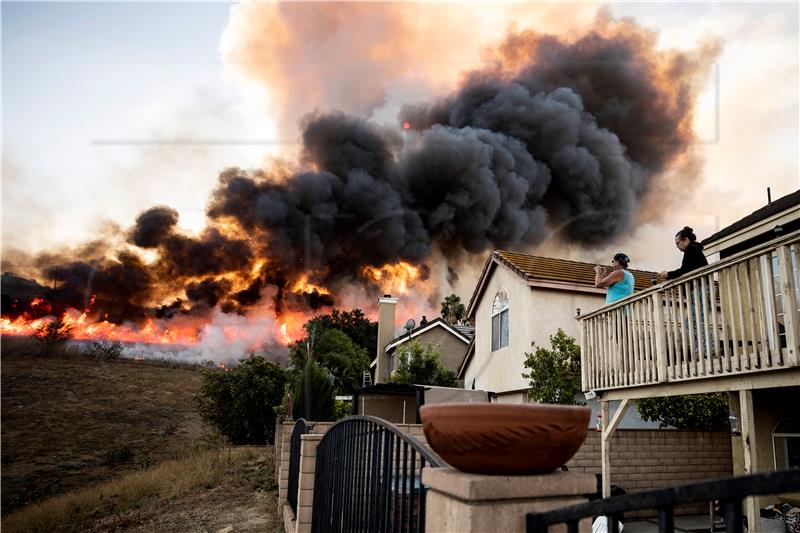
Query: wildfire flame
{"x":303,"y":286}
{"x":393,"y":278}
{"x":261,"y":324}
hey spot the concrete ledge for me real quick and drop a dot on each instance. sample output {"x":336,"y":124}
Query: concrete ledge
{"x":470,"y":487}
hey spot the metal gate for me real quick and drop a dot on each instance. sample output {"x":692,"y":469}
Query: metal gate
{"x":368,"y":478}
{"x":301,"y":427}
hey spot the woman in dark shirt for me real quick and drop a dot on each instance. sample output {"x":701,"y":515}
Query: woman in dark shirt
{"x":693,"y":257}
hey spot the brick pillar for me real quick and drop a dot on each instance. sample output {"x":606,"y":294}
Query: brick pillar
{"x":457,"y":501}
{"x":277,"y":446}
{"x":283,"y":462}
{"x":305,"y":497}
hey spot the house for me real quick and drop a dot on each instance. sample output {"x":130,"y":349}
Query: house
{"x":451,"y":341}
{"x":732,"y":326}
{"x":522,"y":299}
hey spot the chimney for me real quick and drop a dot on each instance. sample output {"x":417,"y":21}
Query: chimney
{"x":386,"y":313}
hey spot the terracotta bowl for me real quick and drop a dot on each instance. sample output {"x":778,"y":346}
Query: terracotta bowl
{"x":505,"y":438}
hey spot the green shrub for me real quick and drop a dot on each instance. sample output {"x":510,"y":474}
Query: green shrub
{"x":342,"y":409}
{"x":313,"y":396}
{"x":555,"y":374}
{"x":240,"y":401}
{"x":421,"y":366}
{"x":705,"y":412}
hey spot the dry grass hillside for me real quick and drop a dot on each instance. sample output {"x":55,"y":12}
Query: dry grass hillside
{"x":70,"y":421}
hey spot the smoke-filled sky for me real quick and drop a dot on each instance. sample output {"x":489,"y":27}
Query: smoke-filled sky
{"x":687,"y":111}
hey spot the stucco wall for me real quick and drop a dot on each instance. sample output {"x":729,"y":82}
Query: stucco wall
{"x":500,"y":370}
{"x":449,"y":346}
{"x":534,"y":315}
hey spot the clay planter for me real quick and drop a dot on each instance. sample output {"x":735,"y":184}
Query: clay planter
{"x":505,"y":438}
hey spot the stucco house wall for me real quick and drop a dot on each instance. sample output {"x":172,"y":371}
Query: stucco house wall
{"x":451,"y":348}
{"x":534,"y":315}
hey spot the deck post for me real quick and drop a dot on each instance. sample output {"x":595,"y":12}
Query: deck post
{"x":750,"y":456}
{"x":609,"y":427}
{"x":789,"y":304}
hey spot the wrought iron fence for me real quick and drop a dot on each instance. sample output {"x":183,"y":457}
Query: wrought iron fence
{"x":368,"y":478}
{"x":301,"y":427}
{"x":730,"y":493}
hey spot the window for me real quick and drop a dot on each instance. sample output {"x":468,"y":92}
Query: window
{"x":500,"y":320}
{"x":786,"y":443}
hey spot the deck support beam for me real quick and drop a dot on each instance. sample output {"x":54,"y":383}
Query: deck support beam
{"x":609,"y":427}
{"x":750,"y":456}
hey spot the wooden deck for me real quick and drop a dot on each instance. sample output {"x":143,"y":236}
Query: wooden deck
{"x":734,"y":320}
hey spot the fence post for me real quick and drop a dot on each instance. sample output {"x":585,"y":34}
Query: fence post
{"x":283,"y":477}
{"x":659,"y":325}
{"x":458,"y":501}
{"x":789,"y":303}
{"x":305,"y":485}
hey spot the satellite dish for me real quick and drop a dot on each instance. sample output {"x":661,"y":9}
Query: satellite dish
{"x":410,"y":324}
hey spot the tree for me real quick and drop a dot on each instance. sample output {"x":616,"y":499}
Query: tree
{"x":705,"y":412}
{"x":313,"y":396}
{"x":336,"y":352}
{"x":453,"y":310}
{"x":421,"y":366}
{"x":361,"y":330}
{"x":240,"y":401}
{"x":53,"y":334}
{"x":555,"y":374}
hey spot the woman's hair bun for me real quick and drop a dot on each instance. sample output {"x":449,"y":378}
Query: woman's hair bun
{"x":687,"y":228}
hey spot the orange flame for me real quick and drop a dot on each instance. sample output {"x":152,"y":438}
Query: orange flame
{"x":393,"y":278}
{"x":302,"y":285}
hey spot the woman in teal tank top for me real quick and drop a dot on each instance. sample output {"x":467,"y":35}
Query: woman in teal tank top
{"x":618,"y":281}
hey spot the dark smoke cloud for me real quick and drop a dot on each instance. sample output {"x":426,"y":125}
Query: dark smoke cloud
{"x":153,"y":226}
{"x":554,"y":136}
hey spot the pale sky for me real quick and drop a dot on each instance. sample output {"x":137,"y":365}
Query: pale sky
{"x":89,"y":91}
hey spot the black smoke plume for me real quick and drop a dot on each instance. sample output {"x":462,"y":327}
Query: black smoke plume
{"x":555,"y":136}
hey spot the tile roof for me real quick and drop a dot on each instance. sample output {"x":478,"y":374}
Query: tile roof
{"x":781,"y":204}
{"x":465,"y":329}
{"x":532,"y":267}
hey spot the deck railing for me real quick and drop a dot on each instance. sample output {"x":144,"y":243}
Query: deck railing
{"x":735,"y":316}
{"x":730,"y":493}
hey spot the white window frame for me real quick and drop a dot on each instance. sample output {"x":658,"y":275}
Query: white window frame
{"x":500,"y":309}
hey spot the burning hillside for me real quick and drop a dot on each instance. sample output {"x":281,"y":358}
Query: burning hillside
{"x":555,"y":135}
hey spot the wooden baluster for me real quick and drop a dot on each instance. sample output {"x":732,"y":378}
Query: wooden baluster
{"x":694,"y":327}
{"x":660,"y":330}
{"x":740,"y":314}
{"x":586,"y":365}
{"x":750,"y":312}
{"x":606,"y":327}
{"x":791,"y":321}
{"x":725,"y":350}
{"x":715,"y":331}
{"x":772,"y":312}
{"x":624,"y":321}
{"x":647,"y":336}
{"x":762,"y":359}
{"x":637,"y":347}
{"x":731,"y":309}
{"x":683,"y":320}
{"x":616,"y":347}
{"x":672,"y":327}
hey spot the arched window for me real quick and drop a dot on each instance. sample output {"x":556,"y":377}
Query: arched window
{"x":500,"y":320}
